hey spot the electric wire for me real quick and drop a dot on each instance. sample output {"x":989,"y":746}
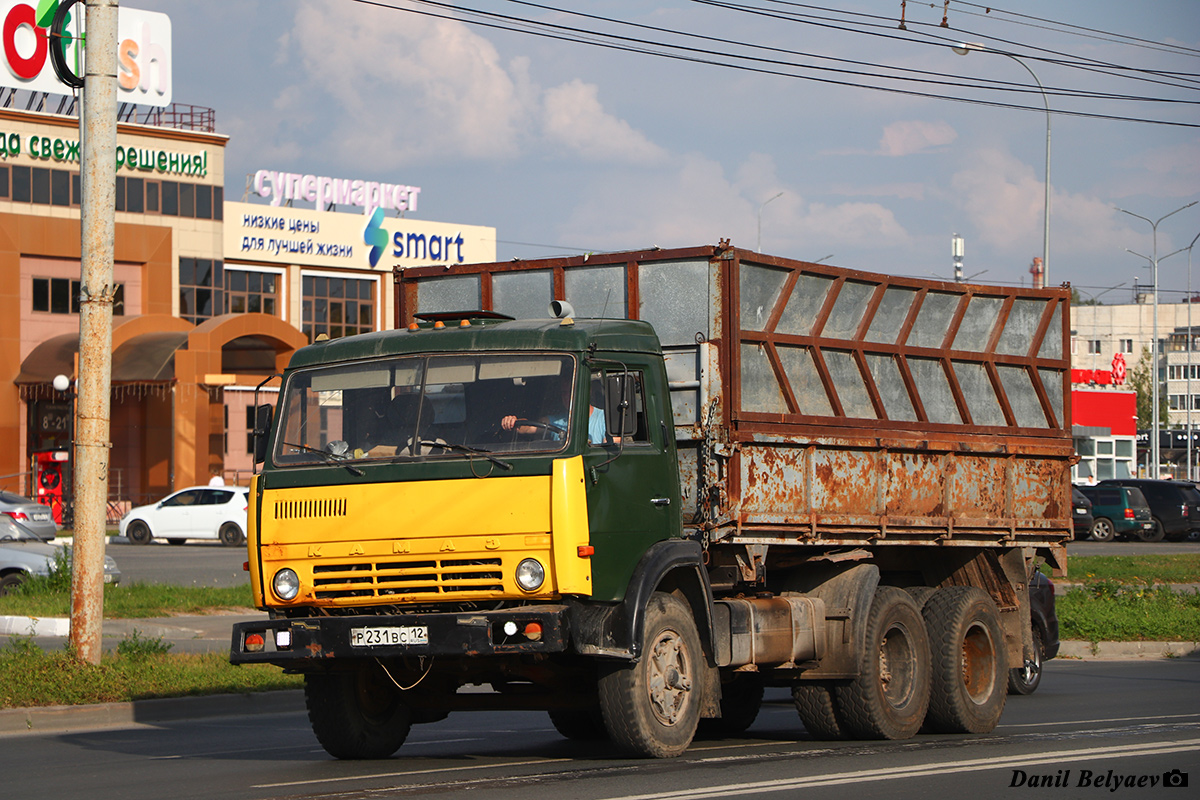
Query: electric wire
{"x":540,"y":29}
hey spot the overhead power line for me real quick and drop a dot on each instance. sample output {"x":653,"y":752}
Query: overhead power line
{"x":764,"y":65}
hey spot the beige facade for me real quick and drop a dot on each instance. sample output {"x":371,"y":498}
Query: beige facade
{"x":1100,"y":332}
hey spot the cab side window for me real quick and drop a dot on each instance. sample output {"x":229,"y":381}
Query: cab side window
{"x":608,"y":388}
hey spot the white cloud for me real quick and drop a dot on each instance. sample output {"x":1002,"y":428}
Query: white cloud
{"x":574,"y":119}
{"x":1004,"y":199}
{"x":692,"y":202}
{"x":914,"y":136}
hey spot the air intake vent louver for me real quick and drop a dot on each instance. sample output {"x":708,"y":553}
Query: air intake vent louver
{"x":415,"y":579}
{"x":310,"y":509}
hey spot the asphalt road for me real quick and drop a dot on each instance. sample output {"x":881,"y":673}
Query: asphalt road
{"x":195,"y":563}
{"x":1135,"y":718}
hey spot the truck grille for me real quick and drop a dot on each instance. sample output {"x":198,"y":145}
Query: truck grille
{"x":408,"y":579}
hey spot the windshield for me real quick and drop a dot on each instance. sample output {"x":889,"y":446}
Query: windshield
{"x":419,"y":406}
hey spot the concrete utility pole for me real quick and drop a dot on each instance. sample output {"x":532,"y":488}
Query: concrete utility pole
{"x":98,"y":141}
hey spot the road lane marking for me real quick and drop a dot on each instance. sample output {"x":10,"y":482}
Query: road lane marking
{"x":1095,"y":721}
{"x":378,"y":775}
{"x":922,"y":770}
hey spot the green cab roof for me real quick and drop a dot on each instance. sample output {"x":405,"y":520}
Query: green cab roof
{"x":610,"y":335}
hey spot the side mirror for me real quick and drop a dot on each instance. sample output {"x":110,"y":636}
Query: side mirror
{"x":263,"y":415}
{"x":619,"y":411}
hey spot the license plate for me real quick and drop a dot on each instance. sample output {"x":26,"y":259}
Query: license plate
{"x":41,"y":516}
{"x":384,"y":636}
{"x":1147,"y":525}
{"x":1081,"y":511}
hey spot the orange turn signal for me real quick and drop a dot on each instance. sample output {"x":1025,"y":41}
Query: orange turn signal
{"x":585,"y":550}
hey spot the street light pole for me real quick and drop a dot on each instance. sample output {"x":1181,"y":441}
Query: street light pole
{"x":1154,"y":449}
{"x":1188,"y":405}
{"x":962,"y":50}
{"x":760,"y":210}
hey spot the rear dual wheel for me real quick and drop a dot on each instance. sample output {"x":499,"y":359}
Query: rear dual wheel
{"x":970,"y":671}
{"x":889,"y":698}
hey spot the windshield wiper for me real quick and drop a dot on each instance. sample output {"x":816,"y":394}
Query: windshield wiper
{"x":462,"y":448}
{"x":330,"y":458}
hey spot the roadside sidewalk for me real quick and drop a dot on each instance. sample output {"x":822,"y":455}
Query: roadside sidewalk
{"x":199,"y":633}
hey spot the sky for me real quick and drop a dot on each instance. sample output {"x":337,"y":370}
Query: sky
{"x":568,"y":148}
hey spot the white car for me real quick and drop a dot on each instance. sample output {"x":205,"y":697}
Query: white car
{"x":200,"y":512}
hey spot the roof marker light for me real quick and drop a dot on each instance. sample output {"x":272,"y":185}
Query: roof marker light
{"x":439,"y":325}
{"x":412,"y":326}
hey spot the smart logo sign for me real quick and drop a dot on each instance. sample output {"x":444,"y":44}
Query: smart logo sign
{"x":286,"y":235}
{"x":143,"y":51}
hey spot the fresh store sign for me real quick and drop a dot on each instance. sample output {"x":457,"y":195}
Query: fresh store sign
{"x":143,"y":51}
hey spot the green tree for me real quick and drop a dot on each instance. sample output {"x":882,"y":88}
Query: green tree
{"x":1138,"y":380}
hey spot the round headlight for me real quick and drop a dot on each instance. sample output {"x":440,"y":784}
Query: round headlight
{"x":530,"y":574}
{"x":286,"y":584}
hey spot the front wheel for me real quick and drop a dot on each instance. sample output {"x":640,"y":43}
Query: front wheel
{"x":10,"y":582}
{"x":138,"y":533}
{"x":1102,"y":530}
{"x":969,"y":667}
{"x":889,"y":697}
{"x":1025,"y":680}
{"x":1155,"y":534}
{"x":358,"y":714}
{"x":651,"y":706}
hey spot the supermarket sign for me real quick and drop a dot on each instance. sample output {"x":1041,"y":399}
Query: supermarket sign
{"x":143,"y":51}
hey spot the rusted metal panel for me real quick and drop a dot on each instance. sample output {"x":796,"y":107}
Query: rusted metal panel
{"x":838,"y":406}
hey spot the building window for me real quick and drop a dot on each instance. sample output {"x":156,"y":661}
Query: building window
{"x":337,"y":306}
{"x":1093,"y":346}
{"x":1126,"y":345}
{"x":251,"y":292}
{"x":201,"y":284}
{"x":61,"y":296}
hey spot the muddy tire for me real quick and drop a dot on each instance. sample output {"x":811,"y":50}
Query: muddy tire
{"x":890,"y":696}
{"x":815,"y":703}
{"x":741,"y":700}
{"x":579,"y":724}
{"x":356,"y":715}
{"x":651,"y":707}
{"x":970,"y":671}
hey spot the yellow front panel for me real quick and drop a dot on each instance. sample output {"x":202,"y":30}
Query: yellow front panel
{"x":422,"y":541}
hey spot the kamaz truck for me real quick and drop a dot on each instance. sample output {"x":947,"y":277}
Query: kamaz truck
{"x":701,"y":472}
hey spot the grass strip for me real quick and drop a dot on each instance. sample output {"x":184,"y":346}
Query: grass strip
{"x":30,"y":676}
{"x":1139,"y":570}
{"x":39,"y":598}
{"x":1108,"y":611}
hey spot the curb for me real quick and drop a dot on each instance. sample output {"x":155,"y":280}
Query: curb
{"x":1077,"y":649}
{"x":70,"y":719}
{"x":35,"y":626}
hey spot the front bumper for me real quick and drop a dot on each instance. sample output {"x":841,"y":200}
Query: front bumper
{"x":298,"y":642}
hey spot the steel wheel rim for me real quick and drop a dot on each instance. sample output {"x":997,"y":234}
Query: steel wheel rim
{"x":669,"y":678}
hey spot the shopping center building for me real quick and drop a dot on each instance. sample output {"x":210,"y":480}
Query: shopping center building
{"x":210,"y":297}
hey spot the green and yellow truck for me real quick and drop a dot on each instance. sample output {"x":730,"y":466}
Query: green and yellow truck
{"x":704,"y":471}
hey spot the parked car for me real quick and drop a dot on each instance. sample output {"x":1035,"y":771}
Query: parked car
{"x":1081,"y":508}
{"x":38,"y":519}
{"x":21,"y":559}
{"x":199,"y":512}
{"x":1174,"y":506}
{"x":1119,"y":511}
{"x":1044,"y":621}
